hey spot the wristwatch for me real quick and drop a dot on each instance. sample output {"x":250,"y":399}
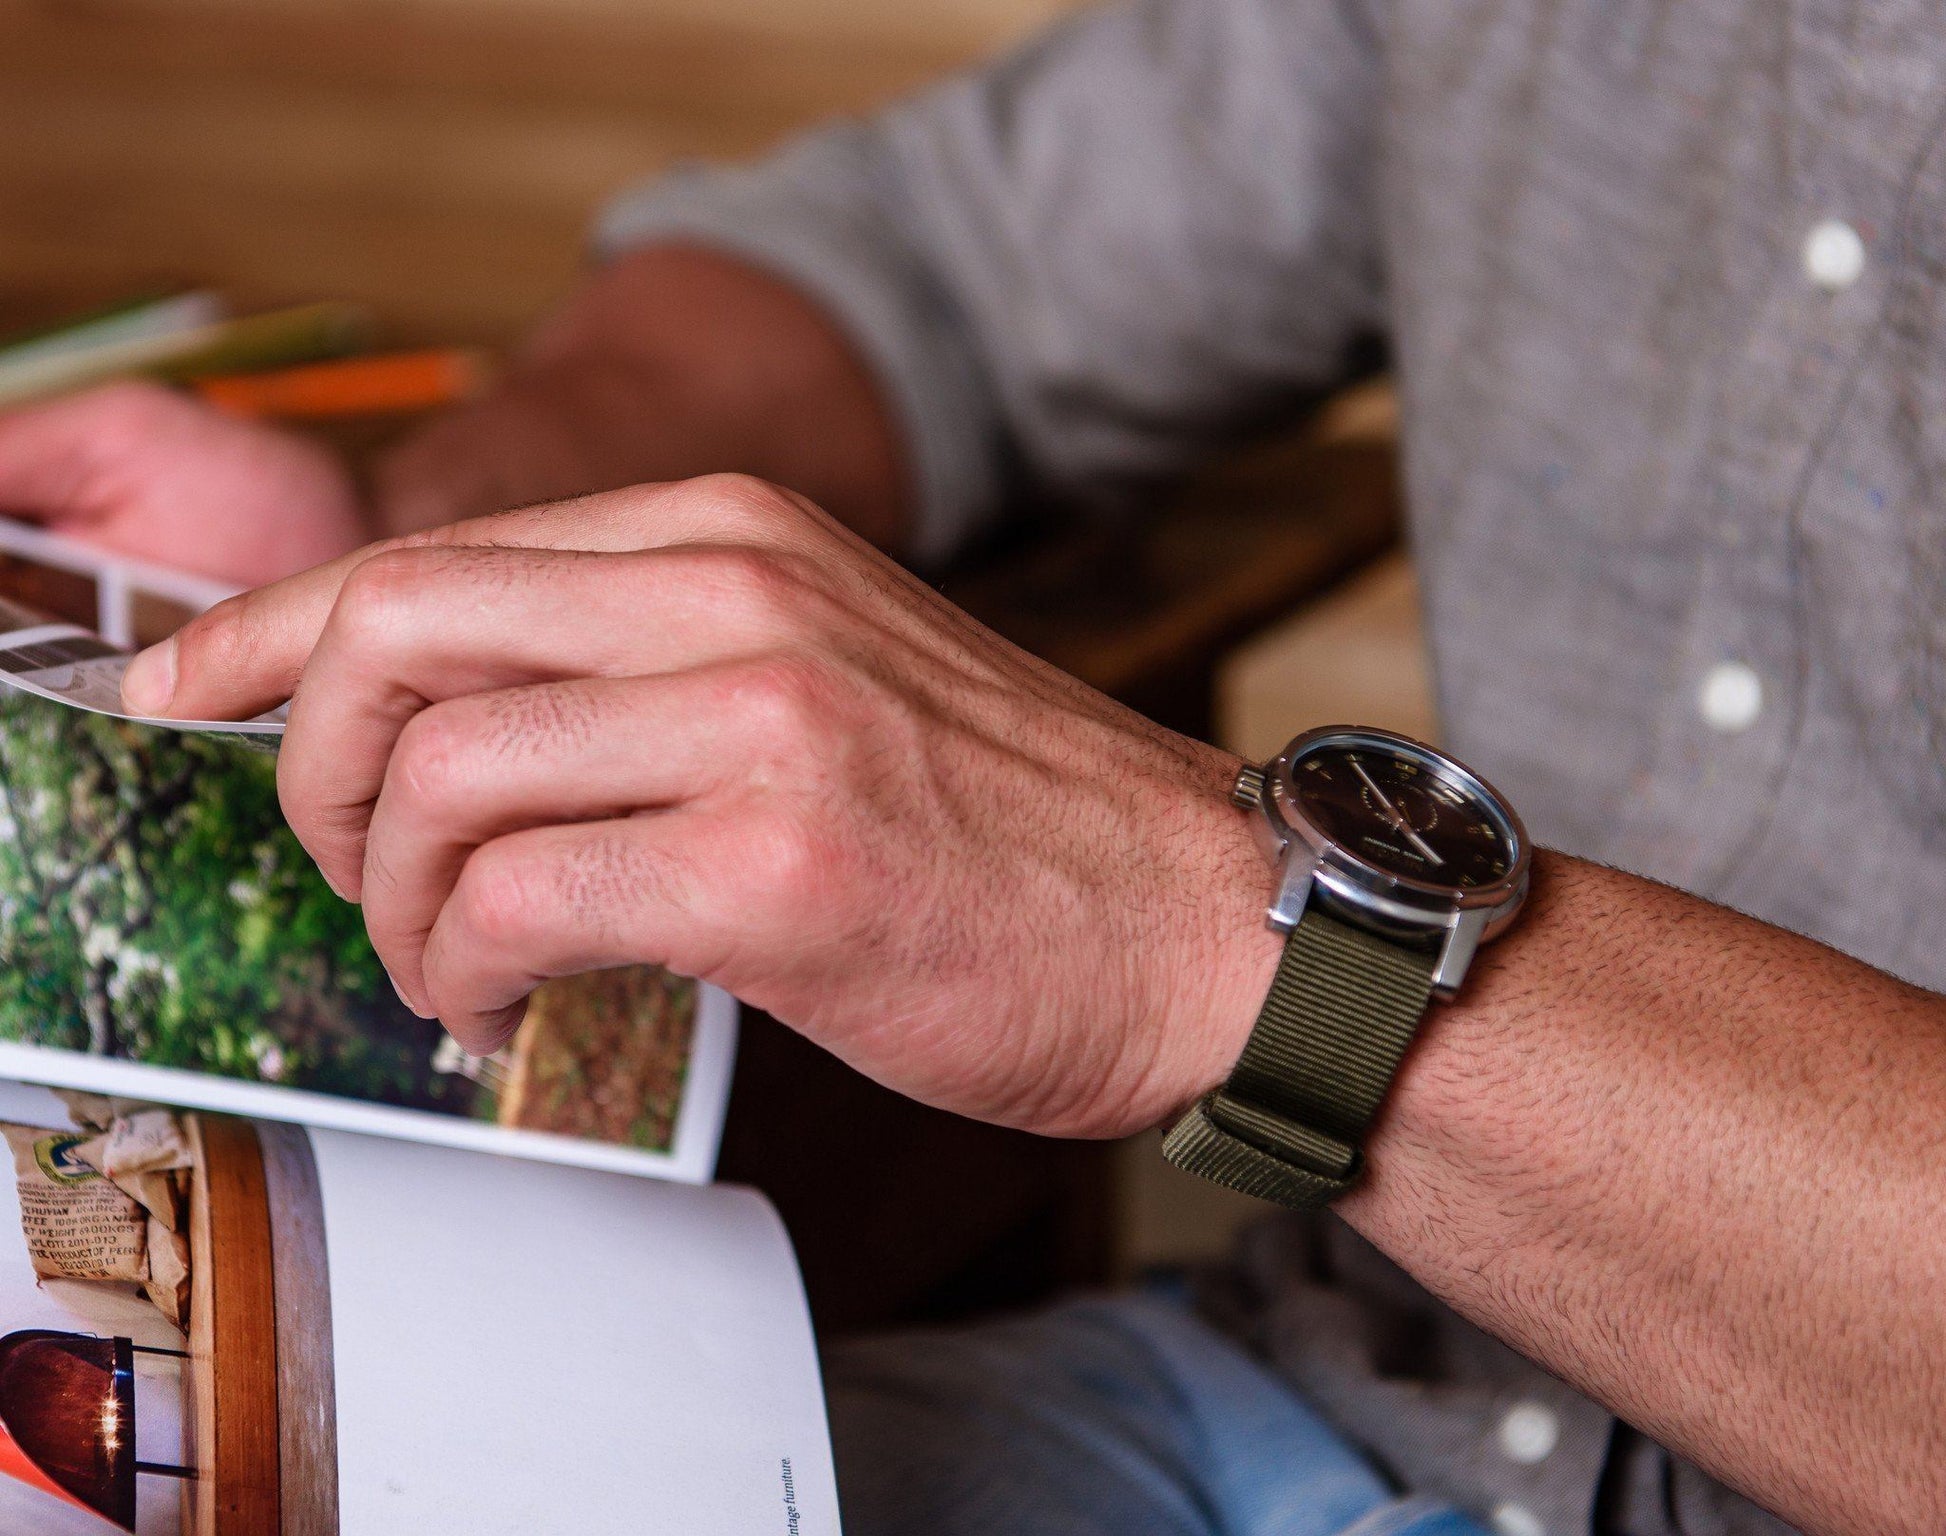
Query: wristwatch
{"x":1395,"y":863}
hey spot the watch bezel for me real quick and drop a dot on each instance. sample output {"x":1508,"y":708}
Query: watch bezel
{"x":1370,"y":888}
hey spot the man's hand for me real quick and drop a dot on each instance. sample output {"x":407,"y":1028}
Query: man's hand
{"x":144,"y":472}
{"x":668,"y":362}
{"x":702,"y":724}
{"x":1688,"y":1162}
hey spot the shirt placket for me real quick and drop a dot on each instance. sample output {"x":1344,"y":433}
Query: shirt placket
{"x":1728,"y":728}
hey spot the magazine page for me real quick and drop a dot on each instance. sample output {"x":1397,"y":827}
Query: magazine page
{"x":214,"y":1327}
{"x":163,"y":935}
{"x":70,"y":665}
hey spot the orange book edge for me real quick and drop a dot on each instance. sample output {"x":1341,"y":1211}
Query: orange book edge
{"x":391,"y":384}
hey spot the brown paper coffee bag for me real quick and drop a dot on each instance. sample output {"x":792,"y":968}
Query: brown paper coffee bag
{"x":79,"y":1225}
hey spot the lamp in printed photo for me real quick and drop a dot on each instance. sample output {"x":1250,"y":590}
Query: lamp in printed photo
{"x":67,"y":1419}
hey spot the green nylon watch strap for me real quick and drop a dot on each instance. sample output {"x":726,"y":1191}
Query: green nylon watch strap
{"x":1287,"y":1125}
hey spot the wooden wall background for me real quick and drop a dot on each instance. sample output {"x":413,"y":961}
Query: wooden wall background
{"x":437,"y":158}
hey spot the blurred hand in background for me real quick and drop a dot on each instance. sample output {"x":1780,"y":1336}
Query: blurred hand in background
{"x":145,"y":472}
{"x":669,"y":363}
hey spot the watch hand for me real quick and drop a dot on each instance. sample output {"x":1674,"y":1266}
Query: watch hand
{"x":1420,"y":843}
{"x":1399,"y":822}
{"x":1390,"y":809}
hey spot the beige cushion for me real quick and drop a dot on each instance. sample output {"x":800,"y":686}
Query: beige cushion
{"x":1356,"y":657}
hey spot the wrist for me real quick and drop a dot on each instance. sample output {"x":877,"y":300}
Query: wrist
{"x":1217,"y":952}
{"x":1395,"y":864}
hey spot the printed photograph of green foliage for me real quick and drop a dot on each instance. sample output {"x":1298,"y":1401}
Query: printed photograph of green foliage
{"x":155,"y":907}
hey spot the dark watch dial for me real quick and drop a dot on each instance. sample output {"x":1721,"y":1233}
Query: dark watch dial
{"x":1403,"y":815}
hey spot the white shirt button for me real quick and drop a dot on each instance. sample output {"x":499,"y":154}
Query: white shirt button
{"x":1731,"y":698}
{"x":1834,"y":256}
{"x":1529,"y":1433}
{"x":1517,"y":1520}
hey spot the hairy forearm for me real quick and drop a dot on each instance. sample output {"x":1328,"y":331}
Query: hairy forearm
{"x":669,"y":363}
{"x":1692,"y":1164}
{"x":1687,"y":1161}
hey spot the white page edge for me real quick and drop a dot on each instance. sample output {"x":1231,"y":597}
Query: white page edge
{"x":690,"y":1160}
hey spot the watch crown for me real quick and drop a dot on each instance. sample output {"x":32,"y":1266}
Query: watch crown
{"x":1248,"y":791}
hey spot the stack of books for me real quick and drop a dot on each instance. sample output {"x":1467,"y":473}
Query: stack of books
{"x":312,"y":361}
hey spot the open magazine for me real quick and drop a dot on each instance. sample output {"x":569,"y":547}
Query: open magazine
{"x":276,"y":1257}
{"x":157,"y":915}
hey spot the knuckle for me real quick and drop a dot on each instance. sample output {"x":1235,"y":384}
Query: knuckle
{"x":380,"y":884}
{"x":749,"y":502}
{"x":789,"y":695}
{"x":434,"y":760}
{"x":330,"y":830}
{"x":379,"y":588}
{"x":733,"y":488}
{"x":795,"y":869}
{"x":497,"y":900}
{"x":224,"y":641}
{"x":803,"y":867}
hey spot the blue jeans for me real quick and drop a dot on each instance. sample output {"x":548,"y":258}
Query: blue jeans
{"x":1113,"y":1417}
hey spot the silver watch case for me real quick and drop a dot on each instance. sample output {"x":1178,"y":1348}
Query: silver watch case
{"x":1312,"y":864}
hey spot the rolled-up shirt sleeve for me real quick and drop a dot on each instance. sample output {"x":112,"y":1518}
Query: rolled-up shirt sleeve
{"x":1080,"y":270}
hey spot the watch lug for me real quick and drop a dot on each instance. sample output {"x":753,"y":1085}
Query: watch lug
{"x":1462,"y":942}
{"x":1295,"y":872}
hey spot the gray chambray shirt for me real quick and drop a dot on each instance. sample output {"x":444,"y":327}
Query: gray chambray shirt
{"x":1664,"y":282}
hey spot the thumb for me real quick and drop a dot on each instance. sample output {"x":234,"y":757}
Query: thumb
{"x":243,"y":656}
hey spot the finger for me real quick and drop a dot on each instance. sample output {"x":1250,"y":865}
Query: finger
{"x":415,"y":628}
{"x":482,"y":766}
{"x":55,"y":459}
{"x":245,"y":655}
{"x":560,"y":901}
